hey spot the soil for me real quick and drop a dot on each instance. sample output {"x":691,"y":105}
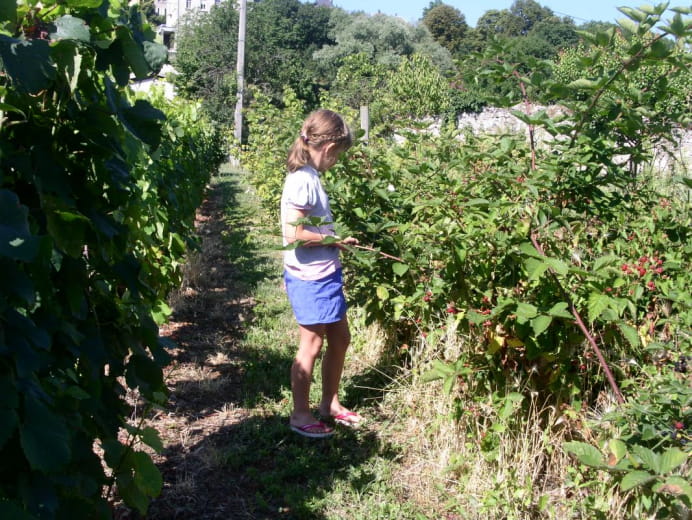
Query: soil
{"x":204,"y":381}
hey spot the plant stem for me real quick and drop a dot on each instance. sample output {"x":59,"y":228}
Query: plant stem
{"x":368,"y":248}
{"x":582,"y":326}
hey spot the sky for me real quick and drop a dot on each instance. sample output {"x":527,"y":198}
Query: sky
{"x":580,"y":10}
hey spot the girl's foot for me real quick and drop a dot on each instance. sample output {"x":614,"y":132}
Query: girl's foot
{"x":345,"y":417}
{"x":316,"y":430}
{"x":305,"y":424}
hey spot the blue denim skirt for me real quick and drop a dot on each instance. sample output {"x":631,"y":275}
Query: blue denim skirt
{"x":316,"y":301}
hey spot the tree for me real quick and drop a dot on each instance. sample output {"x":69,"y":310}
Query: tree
{"x":447,"y":25}
{"x":526,"y":14}
{"x":416,"y":89}
{"x":559,"y":33}
{"x":206,"y":58}
{"x":432,"y":5}
{"x":518,"y":20}
{"x":359,"y":80}
{"x":384,"y":39}
{"x":281,"y":37}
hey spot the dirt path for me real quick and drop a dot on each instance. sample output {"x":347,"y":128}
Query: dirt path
{"x":228,"y":453}
{"x":205,"y":376}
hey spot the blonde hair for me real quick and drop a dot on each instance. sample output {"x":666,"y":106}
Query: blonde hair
{"x":322,"y":126}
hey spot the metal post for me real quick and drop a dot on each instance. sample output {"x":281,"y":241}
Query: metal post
{"x":240,"y":71}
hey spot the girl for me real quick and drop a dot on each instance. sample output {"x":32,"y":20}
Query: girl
{"x":312,"y":273}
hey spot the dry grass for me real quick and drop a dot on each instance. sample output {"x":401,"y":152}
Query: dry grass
{"x":422,"y":454}
{"x":446,"y":467}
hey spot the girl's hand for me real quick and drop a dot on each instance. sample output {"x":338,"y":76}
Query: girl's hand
{"x":350,"y":241}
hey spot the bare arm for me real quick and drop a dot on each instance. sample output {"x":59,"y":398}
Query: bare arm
{"x":310,"y":238}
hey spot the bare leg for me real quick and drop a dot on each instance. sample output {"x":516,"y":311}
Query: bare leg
{"x":311,"y":339}
{"x":338,"y":340}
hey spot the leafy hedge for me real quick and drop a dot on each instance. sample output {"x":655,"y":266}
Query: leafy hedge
{"x":97,"y":199}
{"x":564,"y":264}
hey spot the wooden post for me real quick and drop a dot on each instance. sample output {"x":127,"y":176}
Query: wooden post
{"x":365,"y":122}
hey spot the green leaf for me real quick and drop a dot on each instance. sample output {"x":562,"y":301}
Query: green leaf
{"x":585,"y":453}
{"x":678,"y":27}
{"x":528,"y":249}
{"x":143,"y":373}
{"x":525,"y":311}
{"x":382,"y":293}
{"x":476,"y":317}
{"x":27,"y":63}
{"x":598,"y":302}
{"x":557,"y":265}
{"x":560,"y":310}
{"x":629,"y":26}
{"x":69,"y":27}
{"x":584,"y":84}
{"x":617,"y":448}
{"x":438,"y":371}
{"x":8,"y":424}
{"x":27,"y":328}
{"x":630,"y":334}
{"x":83,"y":3}
{"x":134,"y":54}
{"x":150,"y":437}
{"x":68,"y":230}
{"x":155,"y":54}
{"x":44,"y":437}
{"x":635,"y":478}
{"x":8,"y":12}
{"x":399,"y":268}
{"x":604,"y":261}
{"x":671,"y":459}
{"x":14,"y":511}
{"x":649,"y":458}
{"x":535,"y":268}
{"x":144,"y":121}
{"x":632,"y":13}
{"x":10,"y":108}
{"x":509,"y":405}
{"x":477,"y":202}
{"x":160,"y":312}
{"x":16,"y":241}
{"x":147,"y":476}
{"x":540,"y":323}
{"x":678,"y":486}
{"x":69,"y":61}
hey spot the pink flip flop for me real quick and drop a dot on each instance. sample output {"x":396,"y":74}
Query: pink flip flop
{"x":308,"y":430}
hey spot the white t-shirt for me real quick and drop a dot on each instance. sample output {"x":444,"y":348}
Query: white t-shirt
{"x":303,"y":191}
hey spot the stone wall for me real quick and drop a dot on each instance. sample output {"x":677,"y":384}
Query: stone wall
{"x":676,"y":158}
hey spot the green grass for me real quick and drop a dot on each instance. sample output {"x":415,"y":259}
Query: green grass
{"x":412,"y":460}
{"x":351,"y":475}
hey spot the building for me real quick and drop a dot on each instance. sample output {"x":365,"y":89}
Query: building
{"x":174,"y":11}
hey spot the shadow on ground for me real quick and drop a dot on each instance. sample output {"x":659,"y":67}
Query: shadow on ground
{"x":222,"y":459}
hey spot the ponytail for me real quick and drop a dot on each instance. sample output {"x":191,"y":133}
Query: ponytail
{"x":322,"y":126}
